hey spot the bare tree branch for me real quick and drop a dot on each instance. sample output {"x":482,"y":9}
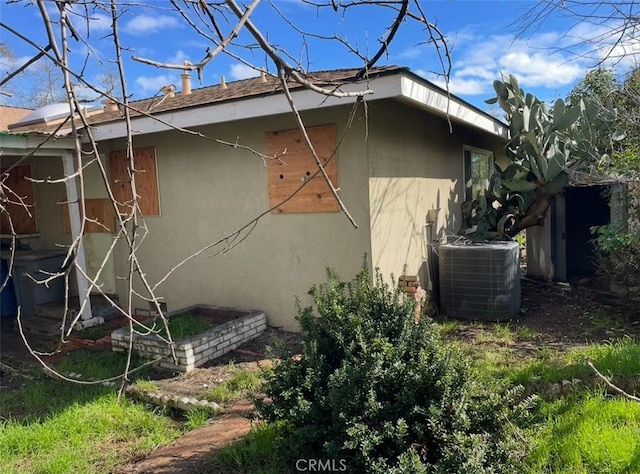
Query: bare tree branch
{"x":612,"y":386}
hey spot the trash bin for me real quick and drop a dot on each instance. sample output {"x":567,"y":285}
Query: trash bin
{"x":31,"y":267}
{"x":8,"y":304}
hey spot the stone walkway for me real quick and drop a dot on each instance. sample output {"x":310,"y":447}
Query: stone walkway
{"x":191,"y":452}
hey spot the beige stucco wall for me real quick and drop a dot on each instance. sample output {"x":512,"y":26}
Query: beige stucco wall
{"x":416,"y":164}
{"x":409,"y":163}
{"x":208,"y":190}
{"x":97,"y":245}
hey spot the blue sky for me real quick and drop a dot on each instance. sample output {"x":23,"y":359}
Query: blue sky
{"x":482,"y":36}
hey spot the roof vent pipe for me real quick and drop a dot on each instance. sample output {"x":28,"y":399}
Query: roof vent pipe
{"x":223,"y":83}
{"x":169,"y":91}
{"x":186,"y":83}
{"x":186,"y":79}
{"x":263,"y":76}
{"x":110,"y":105}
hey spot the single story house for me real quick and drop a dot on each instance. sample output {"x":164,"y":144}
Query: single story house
{"x":400,"y":162}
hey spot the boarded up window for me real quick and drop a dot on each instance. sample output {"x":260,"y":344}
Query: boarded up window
{"x":100,"y":214}
{"x":146,"y":181}
{"x":23,"y":218}
{"x":300,"y":166}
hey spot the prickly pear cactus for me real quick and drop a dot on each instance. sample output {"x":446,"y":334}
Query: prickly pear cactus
{"x":545,"y":145}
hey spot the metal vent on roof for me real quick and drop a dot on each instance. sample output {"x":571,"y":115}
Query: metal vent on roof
{"x":45,"y":114}
{"x":51,"y":114}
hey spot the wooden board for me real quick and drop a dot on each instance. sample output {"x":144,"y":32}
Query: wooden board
{"x":146,"y":180}
{"x":98,"y":209}
{"x":23,"y":223}
{"x":316,"y":196}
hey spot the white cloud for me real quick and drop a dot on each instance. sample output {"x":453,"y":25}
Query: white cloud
{"x":480,"y":59}
{"x":463,"y":86}
{"x":8,"y":64}
{"x":535,"y":69}
{"x":178,"y":58}
{"x":145,"y":24}
{"x":99,"y":22}
{"x":242,"y":71}
{"x":152,"y":84}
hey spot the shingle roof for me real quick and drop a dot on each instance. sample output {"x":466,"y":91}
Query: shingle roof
{"x":239,"y":90}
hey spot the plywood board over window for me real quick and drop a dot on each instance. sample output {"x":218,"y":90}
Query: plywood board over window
{"x":146,"y":180}
{"x":300,"y":166}
{"x":23,"y":215}
{"x":100,"y":217}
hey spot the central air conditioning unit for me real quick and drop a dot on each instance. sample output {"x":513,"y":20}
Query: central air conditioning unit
{"x":480,"y":281}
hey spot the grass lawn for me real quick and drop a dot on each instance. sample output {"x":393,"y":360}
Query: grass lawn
{"x":52,"y":426}
{"x":576,"y":427}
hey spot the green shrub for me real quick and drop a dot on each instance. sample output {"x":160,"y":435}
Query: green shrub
{"x":384,"y":393}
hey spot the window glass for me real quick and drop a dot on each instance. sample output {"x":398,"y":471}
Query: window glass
{"x":478,"y":168}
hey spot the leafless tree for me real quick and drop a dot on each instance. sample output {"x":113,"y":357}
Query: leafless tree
{"x":229,"y":28}
{"x":603,"y":31}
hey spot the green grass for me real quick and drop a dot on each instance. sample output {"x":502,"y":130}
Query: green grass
{"x":196,"y":418}
{"x":503,"y":333}
{"x":53,"y":426}
{"x":99,"y":365}
{"x":241,"y":382}
{"x":594,"y":433}
{"x":620,"y":359}
{"x":147,"y":385}
{"x":183,"y":325}
{"x":449,"y":327}
{"x":585,"y":431}
{"x":255,"y":453}
{"x":94,"y":333}
{"x":90,"y":432}
{"x":524,"y":333}
{"x":44,"y":395}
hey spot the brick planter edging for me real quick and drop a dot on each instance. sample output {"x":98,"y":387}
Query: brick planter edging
{"x":194,"y":351}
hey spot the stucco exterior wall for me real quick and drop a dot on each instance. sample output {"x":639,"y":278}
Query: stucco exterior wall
{"x":97,"y":244}
{"x":416,"y":164}
{"x":208,"y":190}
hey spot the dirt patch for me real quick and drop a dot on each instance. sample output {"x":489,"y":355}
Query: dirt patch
{"x":562,"y":315}
{"x":192,"y":452}
{"x":252,"y":355}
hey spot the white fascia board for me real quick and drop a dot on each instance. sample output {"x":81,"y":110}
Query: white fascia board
{"x":436,"y":100}
{"x":39,"y":145}
{"x":383,"y":87}
{"x":396,"y":86}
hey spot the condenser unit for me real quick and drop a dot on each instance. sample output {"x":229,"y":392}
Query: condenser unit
{"x":480,"y":280}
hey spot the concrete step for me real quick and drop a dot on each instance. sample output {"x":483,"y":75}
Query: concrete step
{"x":42,"y":325}
{"x":100,"y":307}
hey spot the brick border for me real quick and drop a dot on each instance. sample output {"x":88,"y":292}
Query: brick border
{"x":194,"y":351}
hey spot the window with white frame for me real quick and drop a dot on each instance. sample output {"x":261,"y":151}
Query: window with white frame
{"x":478,"y":167}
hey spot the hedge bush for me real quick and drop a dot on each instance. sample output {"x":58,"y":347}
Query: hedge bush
{"x":384,"y":393}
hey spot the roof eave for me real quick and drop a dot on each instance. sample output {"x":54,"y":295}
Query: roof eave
{"x":428,"y":96}
{"x":402,"y":85}
{"x":34,"y":143}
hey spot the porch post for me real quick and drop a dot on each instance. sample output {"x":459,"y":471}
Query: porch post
{"x":86,"y":316}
